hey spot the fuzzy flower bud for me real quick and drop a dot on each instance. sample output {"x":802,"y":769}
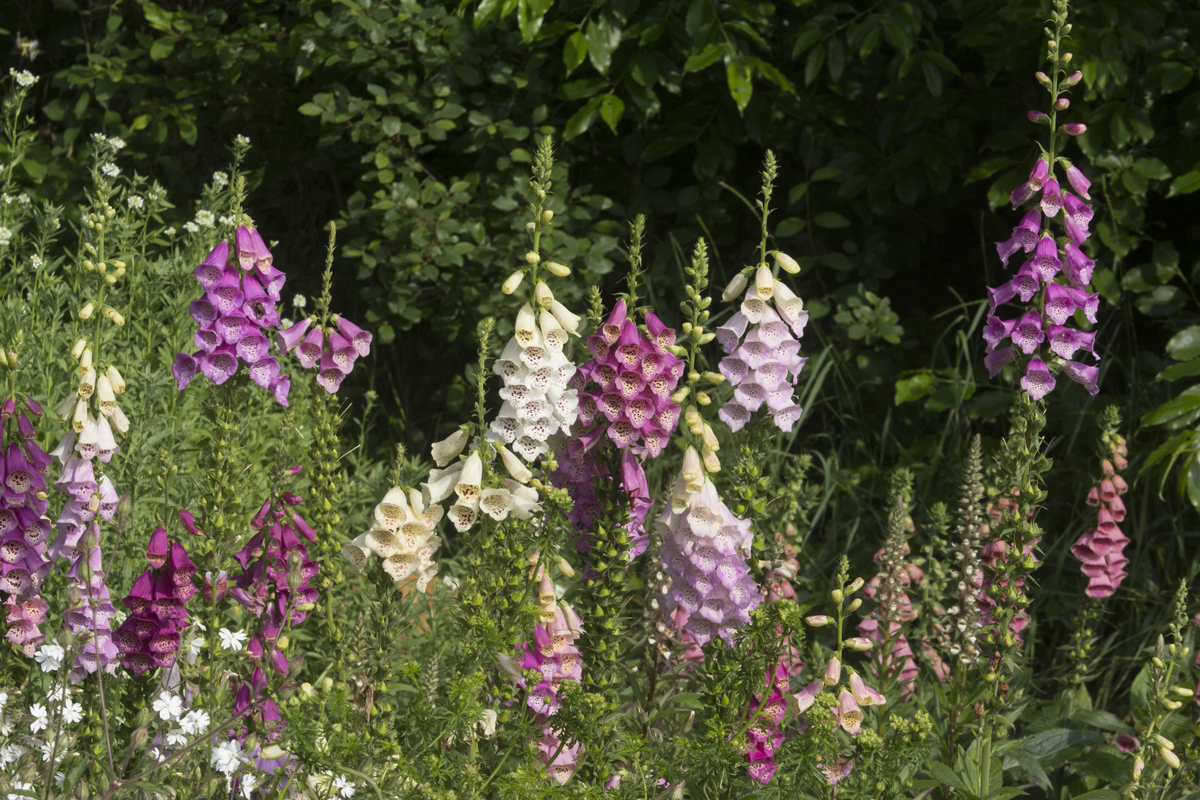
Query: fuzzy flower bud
{"x":513,"y":282}
{"x":544,"y":296}
{"x":818,"y":620}
{"x":764,"y":283}
{"x":1074,"y":128}
{"x":547,"y":215}
{"x":85,"y":313}
{"x":787,"y":263}
{"x":1074,"y":78}
{"x":532,"y":257}
{"x":77,"y":350}
{"x":859,"y":643}
{"x":833,"y":672}
{"x":555,"y":268}
{"x":735,"y":287}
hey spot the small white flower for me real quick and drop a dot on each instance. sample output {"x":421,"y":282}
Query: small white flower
{"x":47,"y":748}
{"x":3,"y":700}
{"x":194,"y":722}
{"x":57,"y":694}
{"x":242,"y":140}
{"x":300,"y":301}
{"x":116,"y":143}
{"x":10,"y":753}
{"x":170,"y":231}
{"x":20,"y":786}
{"x":25,"y":78}
{"x":157,"y":755}
{"x":451,"y":583}
{"x":176,"y":736}
{"x":249,"y":781}
{"x":60,"y":778}
{"x":5,"y":236}
{"x":168,"y":706}
{"x":225,"y":220}
{"x":72,"y":712}
{"x":197,"y":646}
{"x":41,"y":717}
{"x":344,"y":787}
{"x":285,"y":323}
{"x":220,"y":180}
{"x":309,"y":46}
{"x":191,"y":227}
{"x":205,"y":218}
{"x":118,"y":618}
{"x":35,"y":261}
{"x":227,"y":757}
{"x":7,"y":724}
{"x":135,"y":201}
{"x":51,"y":654}
{"x":111,"y":170}
{"x":231,"y":640}
{"x":23,"y":199}
{"x":200,"y":625}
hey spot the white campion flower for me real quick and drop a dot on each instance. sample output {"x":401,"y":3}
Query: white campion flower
{"x":24,"y":78}
{"x":8,"y":724}
{"x":111,"y":170}
{"x":168,"y":706}
{"x":116,"y":143}
{"x":10,"y":753}
{"x":41,"y":717}
{"x":232,"y":640}
{"x":3,"y":700}
{"x":196,"y":647}
{"x":227,"y":757}
{"x":47,"y":748}
{"x":249,"y":781}
{"x":344,"y":787}
{"x":299,"y":301}
{"x":195,"y":722}
{"x":176,"y":736}
{"x":72,"y":712}
{"x":50,"y":656}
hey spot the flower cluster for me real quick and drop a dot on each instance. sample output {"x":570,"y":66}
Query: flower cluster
{"x":634,"y":375}
{"x":993,"y":557}
{"x":1054,"y":277}
{"x":764,"y":735}
{"x":704,"y":548}
{"x":24,"y":528}
{"x":538,"y":399}
{"x":332,"y":352}
{"x":236,"y":316}
{"x":1101,"y":548}
{"x":893,"y":653}
{"x":464,"y":479}
{"x":402,"y":535}
{"x":554,"y":658}
{"x":763,"y":358}
{"x":581,"y":474}
{"x":276,"y":570}
{"x":149,"y":636}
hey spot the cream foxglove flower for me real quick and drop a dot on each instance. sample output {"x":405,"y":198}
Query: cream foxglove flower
{"x":115,"y":379}
{"x":441,"y":482}
{"x":496,"y":503}
{"x":569,"y":321}
{"x":356,"y":553}
{"x":468,"y":487}
{"x":515,"y":468}
{"x":448,"y":449}
{"x":392,"y":509}
{"x":764,"y":283}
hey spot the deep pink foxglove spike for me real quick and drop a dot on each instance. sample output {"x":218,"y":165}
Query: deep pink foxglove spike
{"x":1037,"y":175}
{"x":1078,"y":267}
{"x":342,"y":352}
{"x":34,"y":407}
{"x":246,"y":249}
{"x":179,"y":564}
{"x":280,"y":387}
{"x":213,"y":267}
{"x":997,"y":330}
{"x":8,"y":408}
{"x":156,"y":551}
{"x":258,"y":306}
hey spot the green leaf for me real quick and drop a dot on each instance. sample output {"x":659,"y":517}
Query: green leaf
{"x":825,"y":173}
{"x":806,"y":40}
{"x":390,"y":126}
{"x":698,"y":61}
{"x":1152,"y":168}
{"x":574,"y":51}
{"x":1186,"y":402}
{"x":159,"y":18}
{"x":1006,"y":793}
{"x":1103,"y":720}
{"x":140,"y":122}
{"x":1051,"y":747}
{"x":485,"y":11}
{"x":187,"y":130}
{"x":812,"y":68}
{"x":770,"y":73}
{"x":530,"y":14}
{"x":162,"y":47}
{"x":582,"y":119}
{"x":661,"y":148}
{"x":311,"y":110}
{"x":1185,"y":345}
{"x":789,"y":227}
{"x":1099,"y":794}
{"x":837,"y":59}
{"x":933,"y":77}
{"x":1185,"y":183}
{"x":36,"y":169}
{"x":831,"y":219}
{"x":1187,"y":369}
{"x":914,"y":387}
{"x":947,"y":776}
{"x":611,"y":110}
{"x":603,"y":37}
{"x":741,"y":86}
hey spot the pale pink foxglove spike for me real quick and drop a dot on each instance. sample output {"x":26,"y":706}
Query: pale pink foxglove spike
{"x":1038,"y":381}
{"x":1079,"y":181}
{"x":358,"y":338}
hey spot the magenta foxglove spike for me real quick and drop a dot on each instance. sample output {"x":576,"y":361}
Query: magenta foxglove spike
{"x":156,"y":551}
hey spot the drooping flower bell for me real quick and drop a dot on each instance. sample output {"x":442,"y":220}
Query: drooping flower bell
{"x":332,"y":352}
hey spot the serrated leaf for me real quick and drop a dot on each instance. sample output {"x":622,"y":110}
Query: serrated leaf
{"x":612,"y":108}
{"x":574,"y":51}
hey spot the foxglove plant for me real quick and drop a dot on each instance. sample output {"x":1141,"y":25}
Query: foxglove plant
{"x":1056,"y":276}
{"x":1101,"y":548}
{"x":764,"y":735}
{"x":149,"y":635}
{"x":402,"y":535}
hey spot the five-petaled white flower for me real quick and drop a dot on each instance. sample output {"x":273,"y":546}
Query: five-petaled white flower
{"x":50,"y":656}
{"x":227,"y":757}
{"x":176,"y":736}
{"x":196,"y":646}
{"x":20,"y":786}
{"x":41,"y":717}
{"x":344,"y":787}
{"x":194,"y":722}
{"x":249,"y":781}
{"x":168,"y":706}
{"x":231,"y":640}
{"x":72,"y":712}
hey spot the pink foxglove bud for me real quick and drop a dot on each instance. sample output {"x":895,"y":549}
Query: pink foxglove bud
{"x":1074,"y":128}
{"x":1061,"y":104}
{"x":1038,"y":117}
{"x":1074,"y":78}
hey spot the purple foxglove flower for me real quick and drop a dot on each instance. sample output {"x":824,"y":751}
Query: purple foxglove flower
{"x":1046,"y":261}
{"x":252,"y":347}
{"x":342,"y":352}
{"x":729,"y":334}
{"x":232,"y":327}
{"x":1077,"y":215}
{"x":1060,"y":303}
{"x":1039,"y":173}
{"x":309,"y":351}
{"x":290,"y":337}
{"x":1083,"y":374}
{"x":184,"y":369}
{"x":213,"y":267}
{"x":1079,"y":181}
{"x":280,"y":387}
{"x":1027,"y":281}
{"x":1028,"y":333}
{"x":1078,"y":267}
{"x":25,"y":427}
{"x":997,"y":330}
{"x":226,"y":295}
{"x":330,"y":376}
{"x":189,"y":523}
{"x":273,"y":280}
{"x":734,"y":415}
{"x":1051,"y":198}
{"x":1024,"y":237}
{"x":37,"y":457}
{"x":998,"y":359}
{"x":360,"y":339}
{"x":258,"y":306}
{"x":264,"y":258}
{"x":207,"y":340}
{"x":1064,"y":341}
{"x":264,"y":371}
{"x":247,"y":251}
{"x":180,"y":565}
{"x":156,"y":551}
{"x":1038,"y":381}
{"x":1020,"y":195}
{"x":218,"y":366}
{"x":203,"y":312}
{"x":141,"y":594}
{"x":997,"y":296}
{"x":1036,"y":116}
{"x":1090,"y":303}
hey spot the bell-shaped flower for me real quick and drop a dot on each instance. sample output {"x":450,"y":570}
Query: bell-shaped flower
{"x":292,"y":336}
{"x":1046,"y":260}
{"x":1082,"y":374}
{"x":359,"y":339}
{"x":1089,"y":303}
{"x":1026,"y":282}
{"x":213,"y":266}
{"x":1077,"y":215}
{"x":309,"y":350}
{"x":247,"y":252}
{"x":463,"y":515}
{"x":864,"y":695}
{"x":847,"y":713}
{"x":1051,"y":198}
{"x":1038,"y":381}
{"x":525,"y":330}
{"x":356,"y":553}
{"x":1037,"y":175}
{"x":997,"y":360}
{"x":441,"y":482}
{"x":1079,"y":181}
{"x":1019,"y":195}
{"x":342,"y":353}
{"x":449,"y":448}
{"x":790,"y":308}
{"x":1028,"y":333}
{"x":330,"y":376}
{"x":997,"y":330}
{"x":1064,"y":341}
{"x":513,"y":465}
{"x":833,"y":672}
{"x":280,"y":388}
{"x":1060,"y":303}
{"x":999,"y":295}
{"x":469,"y":483}
{"x":156,"y":551}
{"x":218,"y":366}
{"x":1078,"y":267}
{"x":804,"y":699}
{"x":524,"y":499}
{"x":565,"y":318}
{"x":1024,"y":237}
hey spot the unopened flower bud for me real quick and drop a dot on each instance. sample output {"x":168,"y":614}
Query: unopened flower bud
{"x":833,"y":672}
{"x":1169,"y":758}
{"x":532,"y":257}
{"x":1043,"y":78}
{"x":77,"y":350}
{"x":714,"y":377}
{"x":1182,"y":691}
{"x":12,"y":359}
{"x":837,"y":595}
{"x":711,"y":462}
{"x":86,"y":312}
{"x":513,"y":282}
{"x":547,"y":215}
{"x":561,"y":270}
{"x":735,"y":287}
{"x":854,"y":604}
{"x":680,"y":395}
{"x":818,"y":620}
{"x":1061,"y":104}
{"x":565,"y":567}
{"x":787,"y":263}
{"x":764,"y":283}
{"x":859,"y":643}
{"x":1138,"y":766}
{"x":1074,"y":128}
{"x":854,"y":585}
{"x":530,"y":228}
{"x":273,"y":752}
{"x":1037,"y":116}
{"x":1164,"y":741}
{"x":1158,"y":662}
{"x":1073,"y":78}
{"x":544,"y":296}
{"x":703,"y":399}
{"x":1066,"y":58}
{"x":1172,"y":705}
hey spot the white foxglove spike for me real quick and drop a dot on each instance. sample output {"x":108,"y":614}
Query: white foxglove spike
{"x":553,"y":334}
{"x":513,"y":282}
{"x":569,"y":321}
{"x":693,"y":473}
{"x":463,"y":516}
{"x":543,"y":295}
{"x":790,"y":308}
{"x":87,"y":383}
{"x":114,"y":378}
{"x":787,"y":263}
{"x":525,"y":499}
{"x":382,"y":543}
{"x":526,"y":332}
{"x":496,"y":503}
{"x":105,"y":396}
{"x":120,"y":421}
{"x":79,"y":419}
{"x":356,"y":553}
{"x":448,"y":449}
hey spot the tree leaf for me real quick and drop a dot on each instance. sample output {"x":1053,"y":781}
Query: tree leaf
{"x":574,"y":51}
{"x":582,"y":119}
{"x":162,"y":47}
{"x":933,"y":77}
{"x":789,"y":227}
{"x":612,"y":108}
{"x":603,"y":37}
{"x":485,"y":11}
{"x":530,"y":14}
{"x":1185,"y":345}
{"x":816,"y":59}
{"x":1186,"y":402}
{"x":1185,"y":183}
{"x":741,"y":85}
{"x":831,"y":219}
{"x":698,"y":61}
{"x":1152,"y":168}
